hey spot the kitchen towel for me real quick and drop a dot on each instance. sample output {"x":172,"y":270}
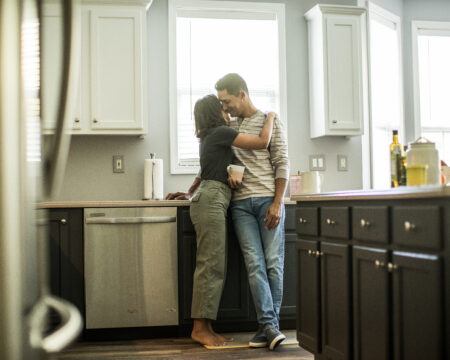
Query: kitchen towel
{"x":153,"y":179}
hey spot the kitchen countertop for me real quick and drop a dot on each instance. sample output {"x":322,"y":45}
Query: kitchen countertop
{"x":120,"y":203}
{"x":404,"y":192}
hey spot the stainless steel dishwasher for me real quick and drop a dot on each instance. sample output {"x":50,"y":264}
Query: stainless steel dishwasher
{"x":131,"y":272}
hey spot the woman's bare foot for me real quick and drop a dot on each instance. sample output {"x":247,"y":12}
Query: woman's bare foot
{"x":203,"y":334}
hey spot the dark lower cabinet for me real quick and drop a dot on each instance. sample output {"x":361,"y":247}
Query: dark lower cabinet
{"x":236,"y":306}
{"x":66,"y":256}
{"x":377,"y":289}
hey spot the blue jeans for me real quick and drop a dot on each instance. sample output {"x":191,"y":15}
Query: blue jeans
{"x":263,"y":252}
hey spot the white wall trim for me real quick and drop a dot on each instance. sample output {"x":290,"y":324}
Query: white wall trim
{"x":232,"y":9}
{"x":385,"y":16}
{"x":424,"y":28}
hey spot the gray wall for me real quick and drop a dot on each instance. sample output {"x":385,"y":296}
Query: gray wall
{"x":430,"y":10}
{"x":89,"y":170}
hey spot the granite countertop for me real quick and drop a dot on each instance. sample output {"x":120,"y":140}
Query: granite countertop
{"x":120,"y":203}
{"x":404,"y":192}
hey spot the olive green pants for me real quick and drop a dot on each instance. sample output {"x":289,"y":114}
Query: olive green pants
{"x":209,"y":214}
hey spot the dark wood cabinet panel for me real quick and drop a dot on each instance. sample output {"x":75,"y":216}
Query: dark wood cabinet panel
{"x":335,"y":295}
{"x":371,"y":304}
{"x":308,"y":296}
{"x":334,"y":222}
{"x":370,"y":223}
{"x":417,"y":306}
{"x":307,"y":220}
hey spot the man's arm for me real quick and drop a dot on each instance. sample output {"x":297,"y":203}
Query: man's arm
{"x":280,"y":161}
{"x":185,"y":195}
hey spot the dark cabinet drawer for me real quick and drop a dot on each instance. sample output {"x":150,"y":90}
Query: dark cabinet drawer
{"x":370,"y":223}
{"x":334,"y":222}
{"x":307,"y":221}
{"x":289,"y":222}
{"x":417,"y":226}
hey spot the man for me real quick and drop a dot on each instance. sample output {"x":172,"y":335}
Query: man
{"x":257,"y":208}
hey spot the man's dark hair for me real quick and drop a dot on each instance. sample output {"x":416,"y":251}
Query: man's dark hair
{"x":232,"y":83}
{"x":208,"y":115}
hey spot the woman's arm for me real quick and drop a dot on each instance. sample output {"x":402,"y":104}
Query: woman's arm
{"x":256,"y":142}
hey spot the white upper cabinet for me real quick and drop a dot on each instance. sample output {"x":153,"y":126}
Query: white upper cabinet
{"x":112,"y":88}
{"x":337,"y":70}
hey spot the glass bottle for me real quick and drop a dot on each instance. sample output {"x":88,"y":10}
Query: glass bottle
{"x":402,"y":178}
{"x":395,"y":150}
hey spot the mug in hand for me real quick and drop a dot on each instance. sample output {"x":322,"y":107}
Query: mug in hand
{"x":236,"y":172}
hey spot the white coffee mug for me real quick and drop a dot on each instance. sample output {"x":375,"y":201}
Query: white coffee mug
{"x":236,"y":171}
{"x":311,"y":182}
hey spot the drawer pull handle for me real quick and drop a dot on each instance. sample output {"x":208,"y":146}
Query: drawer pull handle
{"x":392,"y":267}
{"x":409,"y":226}
{"x":310,"y":252}
{"x":318,"y":254}
{"x":331,"y":222}
{"x":302,"y":221}
{"x":63,"y":221}
{"x":365,"y":223}
{"x":379,"y":264}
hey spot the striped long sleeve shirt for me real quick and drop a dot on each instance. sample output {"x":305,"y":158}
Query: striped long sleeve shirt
{"x":262,"y":167}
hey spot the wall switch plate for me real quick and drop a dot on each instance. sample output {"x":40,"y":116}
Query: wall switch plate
{"x":342,"y":163}
{"x":118,"y":164}
{"x":317,"y":162}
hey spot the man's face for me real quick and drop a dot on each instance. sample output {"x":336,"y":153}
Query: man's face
{"x":231,"y":104}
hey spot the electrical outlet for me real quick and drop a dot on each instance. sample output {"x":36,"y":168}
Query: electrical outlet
{"x":317,"y":162}
{"x":118,"y":164}
{"x":342,"y":163}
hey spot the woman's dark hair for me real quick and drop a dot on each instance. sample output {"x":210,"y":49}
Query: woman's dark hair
{"x":232,"y":83}
{"x":208,"y":115}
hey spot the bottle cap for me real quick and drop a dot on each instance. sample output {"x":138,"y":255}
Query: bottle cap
{"x":395,"y":132}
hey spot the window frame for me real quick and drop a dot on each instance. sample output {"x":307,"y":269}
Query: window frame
{"x":420,"y":27}
{"x":232,"y":9}
{"x":383,"y":15}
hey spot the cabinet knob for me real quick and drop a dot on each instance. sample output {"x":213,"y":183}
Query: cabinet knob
{"x":310,"y":252}
{"x":77,"y":120}
{"x":302,"y":221}
{"x":365,"y":223}
{"x":331,"y":222}
{"x":391,"y":267}
{"x":94,"y":121}
{"x":379,"y":264}
{"x":318,"y":254}
{"x":409,"y":226}
{"x":334,"y":121}
{"x":63,"y":221}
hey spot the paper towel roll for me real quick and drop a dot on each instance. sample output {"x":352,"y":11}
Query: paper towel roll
{"x":153,"y":179}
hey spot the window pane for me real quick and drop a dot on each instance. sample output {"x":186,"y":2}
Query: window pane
{"x":386,"y":101}
{"x":204,"y":56}
{"x":434,"y":80}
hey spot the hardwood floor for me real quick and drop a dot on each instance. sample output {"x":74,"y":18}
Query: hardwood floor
{"x":181,"y":348}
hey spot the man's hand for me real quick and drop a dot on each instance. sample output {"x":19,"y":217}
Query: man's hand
{"x":273,"y":216}
{"x":178,"y":196}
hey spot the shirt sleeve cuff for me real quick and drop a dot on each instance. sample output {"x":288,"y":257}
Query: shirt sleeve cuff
{"x":282,"y":173}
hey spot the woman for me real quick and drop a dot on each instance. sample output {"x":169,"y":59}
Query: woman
{"x":209,"y":210}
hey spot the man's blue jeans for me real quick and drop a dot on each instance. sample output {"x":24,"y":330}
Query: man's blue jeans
{"x":263,"y":252}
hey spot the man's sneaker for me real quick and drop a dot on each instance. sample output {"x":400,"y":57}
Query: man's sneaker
{"x":274,"y":337}
{"x":259,"y":340}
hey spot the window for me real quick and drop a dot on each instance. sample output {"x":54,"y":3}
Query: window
{"x":209,"y":39}
{"x":431,"y":56}
{"x":385,"y":90}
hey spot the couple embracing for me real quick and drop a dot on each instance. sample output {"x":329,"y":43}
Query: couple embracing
{"x":258,"y":142}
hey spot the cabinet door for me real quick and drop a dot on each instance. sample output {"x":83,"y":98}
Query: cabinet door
{"x":51,"y":68}
{"x":417,"y":306}
{"x":335,"y":296}
{"x":289,"y":305}
{"x":344,"y":73}
{"x":370,"y":304}
{"x":116,"y":68}
{"x":308,"y":297}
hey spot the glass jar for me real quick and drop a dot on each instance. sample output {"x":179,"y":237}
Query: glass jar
{"x":424,"y":152}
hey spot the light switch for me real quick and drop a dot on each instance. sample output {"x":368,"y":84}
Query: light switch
{"x":342,"y":163}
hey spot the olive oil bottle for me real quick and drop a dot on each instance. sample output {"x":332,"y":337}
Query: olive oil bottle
{"x":395,"y":150}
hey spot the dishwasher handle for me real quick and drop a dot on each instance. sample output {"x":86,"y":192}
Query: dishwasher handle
{"x":131,"y":220}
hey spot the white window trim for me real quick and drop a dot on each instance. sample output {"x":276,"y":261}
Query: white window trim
{"x":422,"y":28}
{"x":201,"y":7}
{"x":366,"y":139}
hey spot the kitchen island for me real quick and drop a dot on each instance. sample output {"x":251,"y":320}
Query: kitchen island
{"x":374,"y":274}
